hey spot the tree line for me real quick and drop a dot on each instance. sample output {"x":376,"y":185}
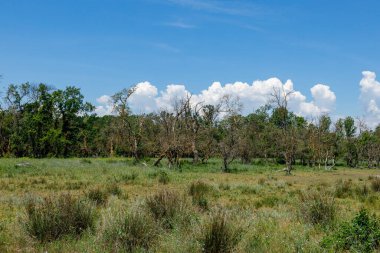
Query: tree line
{"x":39,"y":121}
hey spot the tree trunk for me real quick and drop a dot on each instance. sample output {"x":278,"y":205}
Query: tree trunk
{"x":157,"y":162}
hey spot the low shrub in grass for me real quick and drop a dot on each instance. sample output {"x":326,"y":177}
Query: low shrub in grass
{"x":219,"y":234}
{"x":198,"y":190}
{"x":163,"y":177}
{"x":375,"y":184}
{"x":317,"y":207}
{"x":51,"y":218}
{"x":362,"y":234}
{"x":134,"y":232}
{"x":98,"y":196}
{"x":166,"y":207}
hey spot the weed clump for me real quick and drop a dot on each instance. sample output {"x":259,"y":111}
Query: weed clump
{"x":52,"y":218}
{"x":98,"y":196}
{"x":268,"y":201}
{"x":375,"y":184}
{"x":362,"y":234}
{"x":317,"y":208}
{"x":86,"y":161}
{"x":114,"y":189}
{"x":166,"y":207}
{"x":127,"y":178}
{"x":198,"y":191}
{"x":343,"y":189}
{"x":163,"y":177}
{"x":134,"y":232}
{"x":219,"y":234}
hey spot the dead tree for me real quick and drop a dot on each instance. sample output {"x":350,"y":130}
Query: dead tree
{"x":279,"y":98}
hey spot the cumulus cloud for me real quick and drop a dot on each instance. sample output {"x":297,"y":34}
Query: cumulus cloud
{"x":104,"y":106}
{"x":144,"y":98}
{"x":147,"y":99}
{"x":370,"y":97}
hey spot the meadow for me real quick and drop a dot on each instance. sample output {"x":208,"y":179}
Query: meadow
{"x":116,"y":205}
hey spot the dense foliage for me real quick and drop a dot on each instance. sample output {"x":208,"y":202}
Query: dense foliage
{"x":362,"y":234}
{"x":39,"y":121}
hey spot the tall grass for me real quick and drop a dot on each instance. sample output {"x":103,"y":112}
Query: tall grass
{"x":198,"y":190}
{"x":136,"y":231}
{"x":98,"y":196}
{"x":219,"y":234}
{"x":317,"y":207}
{"x":51,"y":218}
{"x":167,"y":207}
{"x":375,"y":184}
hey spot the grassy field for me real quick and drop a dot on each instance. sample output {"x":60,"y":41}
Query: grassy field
{"x":138,"y":208}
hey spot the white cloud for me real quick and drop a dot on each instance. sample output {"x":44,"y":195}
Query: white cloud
{"x":180,"y":24}
{"x":370,"y":97}
{"x":147,"y":99}
{"x":144,"y":98}
{"x":105,"y":106}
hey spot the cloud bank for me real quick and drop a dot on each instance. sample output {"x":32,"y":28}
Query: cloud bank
{"x":148,"y":99}
{"x":370,"y":98}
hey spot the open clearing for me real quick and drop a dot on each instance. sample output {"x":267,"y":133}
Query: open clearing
{"x":261,"y":202}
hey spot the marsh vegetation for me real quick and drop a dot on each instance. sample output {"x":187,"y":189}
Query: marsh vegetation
{"x":117,"y":205}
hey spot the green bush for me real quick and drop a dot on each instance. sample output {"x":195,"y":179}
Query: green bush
{"x":220,"y":235}
{"x":317,"y":207}
{"x":165,"y":207}
{"x":134,"y":232}
{"x":98,"y":196}
{"x":362,"y":234}
{"x":52,"y":218}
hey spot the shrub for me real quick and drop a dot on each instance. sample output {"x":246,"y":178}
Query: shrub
{"x":219,"y":235}
{"x":134,"y":232}
{"x":52,"y":218}
{"x":375,"y":184}
{"x":98,"y":195}
{"x":317,"y":208}
{"x":163,"y":177}
{"x":165,"y":207}
{"x":362,"y":234}
{"x":343,"y":189}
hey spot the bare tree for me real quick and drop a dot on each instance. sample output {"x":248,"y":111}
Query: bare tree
{"x":229,"y":129}
{"x":131,"y":125}
{"x":171,"y":140}
{"x":279,"y":98}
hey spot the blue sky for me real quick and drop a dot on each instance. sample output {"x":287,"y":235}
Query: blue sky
{"x":104,"y":46}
